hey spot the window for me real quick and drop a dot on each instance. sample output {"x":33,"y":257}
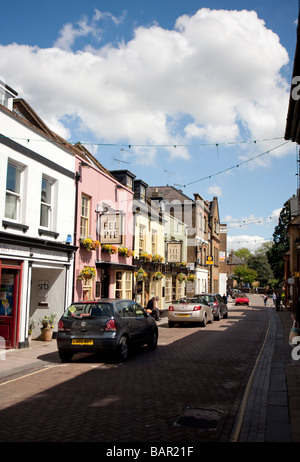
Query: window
{"x":45,"y":217}
{"x":168,"y":289}
{"x":13,"y":192}
{"x":87,"y":289}
{"x":154,"y":241}
{"x":123,"y":288}
{"x":142,"y":237}
{"x":84,"y":218}
{"x":143,"y":194}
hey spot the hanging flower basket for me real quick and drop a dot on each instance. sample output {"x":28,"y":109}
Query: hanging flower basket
{"x":191,"y":277}
{"x":87,"y":273}
{"x":112,"y":249}
{"x":181,"y":277}
{"x":89,"y":244}
{"x":157,"y":276}
{"x":125,"y":252}
{"x":141,"y":275}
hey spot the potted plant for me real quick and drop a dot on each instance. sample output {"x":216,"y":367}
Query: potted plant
{"x":89,"y":244}
{"x":157,"y":258}
{"x":31,"y":326}
{"x":124,"y":251}
{"x":145,"y":256}
{"x":112,"y":249}
{"x":47,"y":326}
{"x":88,"y":272}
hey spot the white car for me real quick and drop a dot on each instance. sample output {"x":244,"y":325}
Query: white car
{"x":190,"y":310}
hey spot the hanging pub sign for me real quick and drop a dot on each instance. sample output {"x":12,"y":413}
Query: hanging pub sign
{"x":174,"y":252}
{"x":111,"y":228}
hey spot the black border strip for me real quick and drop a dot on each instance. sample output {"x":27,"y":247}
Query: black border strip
{"x":34,"y":156}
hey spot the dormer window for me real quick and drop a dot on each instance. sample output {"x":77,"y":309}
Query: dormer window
{"x":7,"y":95}
{"x":140,"y":190}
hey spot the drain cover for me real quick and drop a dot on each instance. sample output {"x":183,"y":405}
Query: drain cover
{"x":200,"y":418}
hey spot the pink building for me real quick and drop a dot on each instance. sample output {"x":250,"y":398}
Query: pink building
{"x":103,"y":232}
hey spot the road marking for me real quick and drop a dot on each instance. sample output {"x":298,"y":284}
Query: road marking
{"x":28,"y":375}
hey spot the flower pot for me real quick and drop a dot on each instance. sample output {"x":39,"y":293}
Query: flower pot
{"x":46,"y":335}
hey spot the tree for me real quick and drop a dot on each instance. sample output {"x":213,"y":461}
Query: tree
{"x":280,"y":242}
{"x":243,"y":253}
{"x":259,"y":263}
{"x":244,"y":274}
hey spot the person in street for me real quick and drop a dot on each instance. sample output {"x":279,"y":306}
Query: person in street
{"x":274,"y":298}
{"x":278,"y":300}
{"x":150,"y":306}
{"x":265,"y":299}
{"x":155,"y":309}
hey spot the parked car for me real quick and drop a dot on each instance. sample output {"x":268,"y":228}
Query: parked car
{"x":217,"y":303}
{"x":242,"y":299}
{"x":190,"y":310}
{"x":235,"y":293}
{"x":108,"y":324}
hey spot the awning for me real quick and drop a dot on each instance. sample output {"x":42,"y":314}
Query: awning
{"x":115,"y":266}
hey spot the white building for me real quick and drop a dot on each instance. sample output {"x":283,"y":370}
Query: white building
{"x":37,"y":206}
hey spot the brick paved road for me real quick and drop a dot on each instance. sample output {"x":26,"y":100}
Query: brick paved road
{"x":94,"y":399}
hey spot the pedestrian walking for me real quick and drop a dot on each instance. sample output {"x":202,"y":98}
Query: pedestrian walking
{"x":274,"y":298}
{"x":265,"y":300}
{"x":278,"y":301}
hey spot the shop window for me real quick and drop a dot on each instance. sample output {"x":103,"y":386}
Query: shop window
{"x":46,"y":199}
{"x":13,"y":192}
{"x":123,"y":285}
{"x":168,"y":289}
{"x":118,"y":292}
{"x":87,"y":289}
{"x":84,"y":217}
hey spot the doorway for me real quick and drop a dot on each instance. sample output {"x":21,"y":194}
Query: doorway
{"x":10,"y":282}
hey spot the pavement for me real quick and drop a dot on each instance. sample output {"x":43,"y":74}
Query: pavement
{"x":270,"y":407}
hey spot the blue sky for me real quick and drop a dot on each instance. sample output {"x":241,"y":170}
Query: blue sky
{"x":187,"y":93}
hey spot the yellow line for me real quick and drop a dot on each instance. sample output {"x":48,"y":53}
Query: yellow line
{"x":27,"y":375}
{"x":237,"y":431}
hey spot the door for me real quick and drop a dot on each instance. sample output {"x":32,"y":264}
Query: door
{"x":9,"y":305}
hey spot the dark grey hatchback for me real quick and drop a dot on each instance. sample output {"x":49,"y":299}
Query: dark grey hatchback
{"x":108,"y":324}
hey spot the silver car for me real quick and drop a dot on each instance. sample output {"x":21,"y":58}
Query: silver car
{"x":190,"y":310}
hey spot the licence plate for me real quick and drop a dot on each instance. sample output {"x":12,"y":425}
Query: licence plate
{"x":181,"y":315}
{"x":82,"y":341}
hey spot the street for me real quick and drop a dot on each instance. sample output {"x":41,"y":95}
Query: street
{"x":194,"y":371}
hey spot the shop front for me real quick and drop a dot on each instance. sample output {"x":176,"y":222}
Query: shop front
{"x":35,"y":281}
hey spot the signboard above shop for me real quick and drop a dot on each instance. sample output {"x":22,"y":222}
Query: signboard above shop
{"x":111,"y":228}
{"x":174,"y":252}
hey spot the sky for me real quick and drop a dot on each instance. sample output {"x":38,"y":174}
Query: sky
{"x":193,"y":94}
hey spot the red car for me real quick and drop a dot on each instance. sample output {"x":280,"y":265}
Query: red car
{"x":242,"y":300}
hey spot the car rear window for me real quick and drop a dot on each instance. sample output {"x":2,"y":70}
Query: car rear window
{"x":208,"y":298}
{"x":89,"y":309}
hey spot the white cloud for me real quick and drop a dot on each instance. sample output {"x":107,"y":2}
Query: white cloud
{"x":221,"y":68}
{"x":244,"y":241}
{"x":215,"y":190}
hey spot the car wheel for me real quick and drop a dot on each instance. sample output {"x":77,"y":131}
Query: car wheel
{"x":123,"y":349}
{"x":171,"y":324}
{"x":218,"y":317}
{"x":153,"y":342}
{"x":204,"y":320}
{"x":225,"y":315}
{"x":65,"y":356}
